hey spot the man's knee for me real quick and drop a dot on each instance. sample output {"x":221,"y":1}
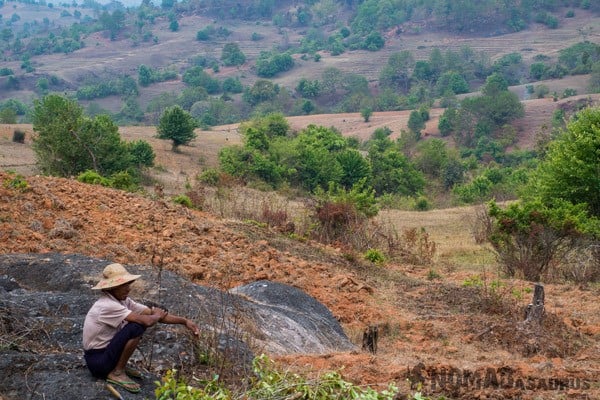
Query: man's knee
{"x":135,"y":330}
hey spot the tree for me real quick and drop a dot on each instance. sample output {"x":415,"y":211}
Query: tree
{"x":432,"y":157}
{"x":416,"y":122}
{"x":232,"y":55}
{"x":366,"y":113}
{"x":560,"y":209}
{"x":8,"y":116}
{"x":452,"y":82}
{"x":68,"y":143}
{"x":396,"y":73}
{"x":197,"y":77}
{"x":113,"y":23}
{"x":355,"y":167}
{"x":177,"y":125}
{"x":594,"y":83}
{"x":392,"y":171}
{"x":571,"y":169}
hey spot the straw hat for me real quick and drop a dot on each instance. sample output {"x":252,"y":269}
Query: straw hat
{"x":114,"y":275}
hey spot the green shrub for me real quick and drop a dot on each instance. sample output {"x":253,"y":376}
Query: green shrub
{"x":422,"y":204}
{"x":568,"y":92}
{"x":173,"y":387}
{"x":375,"y":256}
{"x":183,"y":200}
{"x":123,"y":180}
{"x":18,"y":182}
{"x":210,"y":177}
{"x":270,"y":383}
{"x":93,"y":178}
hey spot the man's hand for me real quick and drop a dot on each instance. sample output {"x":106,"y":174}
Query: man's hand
{"x":192,"y":327}
{"x":159,"y":312}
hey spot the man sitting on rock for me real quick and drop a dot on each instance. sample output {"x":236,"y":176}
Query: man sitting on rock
{"x":114,"y":326}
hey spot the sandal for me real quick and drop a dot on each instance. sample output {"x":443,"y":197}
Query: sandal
{"x":133,"y":373}
{"x":130,"y":386}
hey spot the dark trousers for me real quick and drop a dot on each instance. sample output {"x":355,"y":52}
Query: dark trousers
{"x":102,"y":361}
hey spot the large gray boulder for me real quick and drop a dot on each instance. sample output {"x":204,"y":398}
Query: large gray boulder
{"x":44,"y":299}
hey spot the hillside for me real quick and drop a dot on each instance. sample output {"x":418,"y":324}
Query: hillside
{"x":102,"y":58}
{"x":174,"y":170}
{"x":451,"y":314}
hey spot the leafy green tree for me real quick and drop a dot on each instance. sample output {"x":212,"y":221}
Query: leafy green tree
{"x":8,"y":116}
{"x":113,"y":23}
{"x":594,"y":82}
{"x":354,"y":166}
{"x":197,"y":77}
{"x":510,"y":67}
{"x":392,"y":171}
{"x":67,"y":142}
{"x":177,"y":125}
{"x":452,"y":173}
{"x":452,"y":82}
{"x":307,"y":107}
{"x":191,"y":95}
{"x":6,"y":34}
{"x":308,"y":88}
{"x":366,"y":113}
{"x":423,"y":71}
{"x":232,"y":85}
{"x":571,"y":169}
{"x":529,"y":236}
{"x":537,"y":71}
{"x":416,"y":122}
{"x":262,"y":90}
{"x":142,"y":153}
{"x":374,"y":41}
{"x":397,"y":71}
{"x":270,"y":64}
{"x":560,"y":207}
{"x":432,"y":156}
{"x":232,"y":55}
{"x":145,"y":75}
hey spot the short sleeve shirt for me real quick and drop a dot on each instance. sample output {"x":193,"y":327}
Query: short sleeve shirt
{"x":105,"y":319}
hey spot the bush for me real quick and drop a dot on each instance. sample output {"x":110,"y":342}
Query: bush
{"x":93,"y":178}
{"x":17,"y":182}
{"x":528,"y":237}
{"x":124,"y":181}
{"x":184,"y":200}
{"x":422,"y":204}
{"x":210,"y":177}
{"x":375,"y":256}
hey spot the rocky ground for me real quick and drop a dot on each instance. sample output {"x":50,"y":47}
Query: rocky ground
{"x":435,"y":330}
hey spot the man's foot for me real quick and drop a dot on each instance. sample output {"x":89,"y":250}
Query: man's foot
{"x":123,"y":381}
{"x":133,"y":373}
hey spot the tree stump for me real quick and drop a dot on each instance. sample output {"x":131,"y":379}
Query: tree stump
{"x":370,"y":337}
{"x":534,"y":312}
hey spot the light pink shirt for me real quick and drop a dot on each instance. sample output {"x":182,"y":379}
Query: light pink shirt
{"x":105,"y":319}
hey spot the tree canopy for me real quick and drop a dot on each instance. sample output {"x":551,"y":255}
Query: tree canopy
{"x":67,"y":142}
{"x":177,"y":125}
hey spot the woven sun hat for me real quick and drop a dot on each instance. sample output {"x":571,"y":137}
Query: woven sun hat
{"x":114,"y":275}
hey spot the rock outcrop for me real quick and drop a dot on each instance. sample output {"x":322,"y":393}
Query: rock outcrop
{"x":44,"y":299}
